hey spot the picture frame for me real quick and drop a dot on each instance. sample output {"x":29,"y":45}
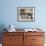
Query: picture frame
{"x":26,"y":14}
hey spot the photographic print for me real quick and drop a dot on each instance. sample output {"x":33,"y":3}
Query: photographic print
{"x":26,"y":14}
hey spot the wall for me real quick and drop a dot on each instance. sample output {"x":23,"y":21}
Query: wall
{"x":9,"y":13}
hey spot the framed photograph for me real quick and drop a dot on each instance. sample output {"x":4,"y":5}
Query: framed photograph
{"x":26,"y":14}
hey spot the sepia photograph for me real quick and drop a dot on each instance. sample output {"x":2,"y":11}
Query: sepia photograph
{"x":25,"y":14}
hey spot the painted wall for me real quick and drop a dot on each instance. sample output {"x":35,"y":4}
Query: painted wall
{"x":9,"y":13}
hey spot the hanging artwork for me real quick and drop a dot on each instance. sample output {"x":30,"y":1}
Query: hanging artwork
{"x":26,"y":14}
